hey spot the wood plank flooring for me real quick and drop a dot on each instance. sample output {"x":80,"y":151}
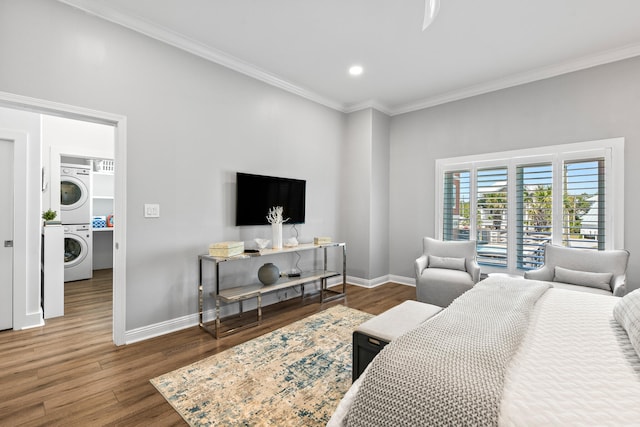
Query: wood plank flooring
{"x":69,"y":372}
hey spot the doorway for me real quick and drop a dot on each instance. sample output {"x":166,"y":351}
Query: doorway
{"x":81,"y":189}
{"x":21,"y":284}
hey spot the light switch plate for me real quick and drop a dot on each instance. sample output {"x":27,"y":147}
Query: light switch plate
{"x":151,"y":210}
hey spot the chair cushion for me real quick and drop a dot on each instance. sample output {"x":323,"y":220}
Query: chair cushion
{"x":449,"y":263}
{"x":445,"y":275}
{"x":627,"y":314}
{"x":583,"y":278}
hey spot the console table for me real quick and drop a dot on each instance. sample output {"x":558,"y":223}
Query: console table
{"x":240,"y":293}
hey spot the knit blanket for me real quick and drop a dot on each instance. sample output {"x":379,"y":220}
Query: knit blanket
{"x":450,"y":370}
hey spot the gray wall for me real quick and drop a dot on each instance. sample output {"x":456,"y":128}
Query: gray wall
{"x":191,"y":125}
{"x":379,"y":231}
{"x":597,"y":103}
{"x":365,"y":204}
{"x":356,"y":193}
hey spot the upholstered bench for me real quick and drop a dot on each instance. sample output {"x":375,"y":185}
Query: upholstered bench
{"x":371,"y":337}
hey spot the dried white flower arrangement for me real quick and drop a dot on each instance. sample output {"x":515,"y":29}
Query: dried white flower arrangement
{"x":275,"y":215}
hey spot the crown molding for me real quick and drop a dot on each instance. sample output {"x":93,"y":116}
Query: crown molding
{"x":570,"y":66}
{"x":199,"y":49}
{"x":179,"y":41}
{"x":368,"y":104}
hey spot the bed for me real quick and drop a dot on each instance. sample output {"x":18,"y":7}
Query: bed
{"x":509,"y":352}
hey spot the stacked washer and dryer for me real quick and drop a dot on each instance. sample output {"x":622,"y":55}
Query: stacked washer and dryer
{"x":75,"y":214}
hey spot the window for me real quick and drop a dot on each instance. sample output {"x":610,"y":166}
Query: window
{"x":534,"y":215}
{"x":456,"y":201}
{"x":513,"y":203}
{"x":583,"y":204}
{"x":491,"y":218}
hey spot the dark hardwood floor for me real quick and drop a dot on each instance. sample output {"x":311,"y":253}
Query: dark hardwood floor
{"x":69,"y":372}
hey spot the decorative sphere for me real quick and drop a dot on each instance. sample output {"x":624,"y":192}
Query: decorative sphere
{"x":268,"y":274}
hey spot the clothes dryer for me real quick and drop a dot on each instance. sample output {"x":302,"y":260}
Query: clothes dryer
{"x":75,"y":197}
{"x":78,"y":252}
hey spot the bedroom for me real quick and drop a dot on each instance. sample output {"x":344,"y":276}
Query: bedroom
{"x":207,"y":108}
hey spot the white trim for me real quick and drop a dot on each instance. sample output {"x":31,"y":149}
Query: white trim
{"x":194,"y":47}
{"x":525,"y":154}
{"x":120,"y":233}
{"x":589,"y":61}
{"x":120,"y":122}
{"x":368,"y":104}
{"x":368,"y":283}
{"x":402,"y":280}
{"x":615,"y":185}
{"x":511,"y":216}
{"x":191,"y":320}
{"x":612,"y":150}
{"x":21,"y":319}
{"x":159,"y":329}
{"x":179,"y":41}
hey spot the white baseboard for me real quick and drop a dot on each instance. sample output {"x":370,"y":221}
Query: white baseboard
{"x":408,"y":281}
{"x":31,"y":320}
{"x":188,"y":321}
{"x":162,"y":328}
{"x":372,"y":283}
{"x":367,"y":283}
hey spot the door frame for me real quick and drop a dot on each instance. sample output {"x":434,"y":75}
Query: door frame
{"x":119,"y":122}
{"x":20,"y":255}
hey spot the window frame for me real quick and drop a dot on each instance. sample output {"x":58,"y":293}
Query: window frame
{"x":611,"y":150}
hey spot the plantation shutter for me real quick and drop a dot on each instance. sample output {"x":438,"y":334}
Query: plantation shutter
{"x":492,"y":216}
{"x":584,"y":204}
{"x":456,"y":205}
{"x":534,"y":213}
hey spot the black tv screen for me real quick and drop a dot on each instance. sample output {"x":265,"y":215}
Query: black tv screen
{"x":256,"y":194}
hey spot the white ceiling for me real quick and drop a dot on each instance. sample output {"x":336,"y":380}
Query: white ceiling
{"x":306,"y":47}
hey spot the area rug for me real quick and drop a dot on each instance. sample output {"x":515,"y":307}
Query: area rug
{"x":295,"y":375}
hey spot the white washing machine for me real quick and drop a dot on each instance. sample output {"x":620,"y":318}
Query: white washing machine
{"x":75,"y":197}
{"x":78,"y":252}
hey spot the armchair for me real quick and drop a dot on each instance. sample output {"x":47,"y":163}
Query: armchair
{"x":445,"y":270}
{"x":585,"y":270}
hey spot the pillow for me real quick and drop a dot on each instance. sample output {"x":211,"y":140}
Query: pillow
{"x":627,"y":314}
{"x":583,"y":278}
{"x":448,"y":263}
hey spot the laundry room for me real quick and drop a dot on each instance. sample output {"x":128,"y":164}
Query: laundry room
{"x":78,"y":183}
{"x":33,"y":148}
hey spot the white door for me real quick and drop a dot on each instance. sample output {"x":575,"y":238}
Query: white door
{"x":6,"y":234}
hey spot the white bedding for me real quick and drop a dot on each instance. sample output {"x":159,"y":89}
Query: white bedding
{"x":575,"y":366}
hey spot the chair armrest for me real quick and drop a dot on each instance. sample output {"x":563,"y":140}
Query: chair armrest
{"x":620,"y":285}
{"x":420,"y":265}
{"x":542,"y":273}
{"x":474,"y":271}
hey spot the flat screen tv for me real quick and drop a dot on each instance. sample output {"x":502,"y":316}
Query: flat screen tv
{"x":256,"y":194}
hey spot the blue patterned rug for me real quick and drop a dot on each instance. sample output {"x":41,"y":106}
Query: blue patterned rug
{"x":295,"y":375}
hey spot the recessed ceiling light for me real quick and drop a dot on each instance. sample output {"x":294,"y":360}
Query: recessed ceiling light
{"x":356,"y":70}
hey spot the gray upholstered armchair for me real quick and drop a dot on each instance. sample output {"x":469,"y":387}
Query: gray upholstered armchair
{"x":445,"y":271}
{"x":585,"y":270}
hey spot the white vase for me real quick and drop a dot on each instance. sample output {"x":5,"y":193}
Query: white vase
{"x":276,"y":241}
